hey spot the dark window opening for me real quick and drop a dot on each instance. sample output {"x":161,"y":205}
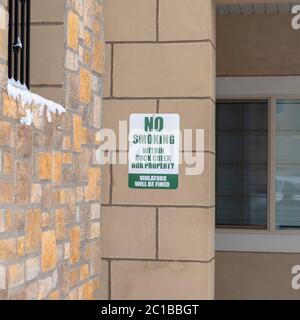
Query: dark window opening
{"x":19,"y":41}
{"x":242,"y":164}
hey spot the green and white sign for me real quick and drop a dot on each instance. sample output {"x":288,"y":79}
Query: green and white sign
{"x":153,"y":151}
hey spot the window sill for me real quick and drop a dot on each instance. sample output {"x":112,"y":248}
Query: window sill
{"x":258,"y":241}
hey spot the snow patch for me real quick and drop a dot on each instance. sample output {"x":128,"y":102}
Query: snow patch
{"x":20,"y":92}
{"x":28,"y":119}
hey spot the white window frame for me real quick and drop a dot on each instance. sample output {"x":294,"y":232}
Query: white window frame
{"x":269,"y":88}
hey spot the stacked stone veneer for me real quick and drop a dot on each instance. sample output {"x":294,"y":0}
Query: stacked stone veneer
{"x":49,"y":178}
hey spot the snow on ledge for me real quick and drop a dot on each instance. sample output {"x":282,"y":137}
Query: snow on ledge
{"x":20,"y":92}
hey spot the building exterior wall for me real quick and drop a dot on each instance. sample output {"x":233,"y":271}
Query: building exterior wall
{"x":257,"y":45}
{"x":251,"y":275}
{"x":49,"y":178}
{"x":160,"y":57}
{"x":48,"y":48}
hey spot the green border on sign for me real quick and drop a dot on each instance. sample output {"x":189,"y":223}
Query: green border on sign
{"x":170,"y":183}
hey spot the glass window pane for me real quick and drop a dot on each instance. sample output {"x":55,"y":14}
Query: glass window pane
{"x":288,"y":164}
{"x":242,"y":164}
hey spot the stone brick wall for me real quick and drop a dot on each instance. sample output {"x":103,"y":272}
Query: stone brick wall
{"x":49,"y":178}
{"x":160,"y":57}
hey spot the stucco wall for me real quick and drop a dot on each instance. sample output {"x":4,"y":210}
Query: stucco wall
{"x":160,"y":57}
{"x":47,"y":48}
{"x":257,"y":45}
{"x":255,"y":275}
{"x":49,"y":178}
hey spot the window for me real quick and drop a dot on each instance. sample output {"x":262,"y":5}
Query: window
{"x":242,"y":164}
{"x":19,"y":41}
{"x":249,"y":193}
{"x":287,"y":164}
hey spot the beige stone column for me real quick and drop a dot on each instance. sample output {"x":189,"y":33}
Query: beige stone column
{"x":160,"y":58}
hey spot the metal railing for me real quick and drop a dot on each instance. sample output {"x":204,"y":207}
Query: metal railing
{"x":19,"y":41}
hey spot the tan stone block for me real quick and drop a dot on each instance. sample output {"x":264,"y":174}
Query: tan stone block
{"x":98,"y":56}
{"x":67,"y":158}
{"x":92,"y":191}
{"x":2,"y":278}
{"x":73,"y":30}
{"x":140,"y":13}
{"x":54,"y":295}
{"x":23,"y":182}
{"x":60,"y":223}
{"x":50,"y":11}
{"x":78,"y":132}
{"x":73,"y":295}
{"x":88,"y":14}
{"x":55,"y":94}
{"x":84,"y":272}
{"x":105,"y":184}
{"x":45,"y":166}
{"x":124,"y":108}
{"x":128,"y":232}
{"x":57,"y":168}
{"x":7,"y":249}
{"x":107,"y":71}
{"x":74,"y":277}
{"x":79,"y":4}
{"x":49,"y":251}
{"x":3,"y":44}
{"x":98,"y":8}
{"x":32,"y":291}
{"x":24,"y":142}
{"x":164,"y":70}
{"x":97,"y":111}
{"x":45,"y":286}
{"x":198,"y":190}
{"x":85,"y":91}
{"x":8,"y":164}
{"x":36,"y":193}
{"x":194,"y":114}
{"x":86,"y":292}
{"x":6,"y":134}
{"x":71,"y":62}
{"x":186,"y":20}
{"x":47,"y":219}
{"x":104,"y":276}
{"x":95,"y":230}
{"x":79,"y":194}
{"x":10,"y":107}
{"x":87,"y":38}
{"x":95,"y":211}
{"x":97,"y":27}
{"x":75,"y":245}
{"x":67,"y":144}
{"x":2,"y":221}
{"x":32,"y":266}
{"x":7,"y":192}
{"x":16,"y":275}
{"x":20,"y":247}
{"x":9,"y":220}
{"x":163,"y":280}
{"x":86,"y":57}
{"x":186,"y":234}
{"x":51,"y":53}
